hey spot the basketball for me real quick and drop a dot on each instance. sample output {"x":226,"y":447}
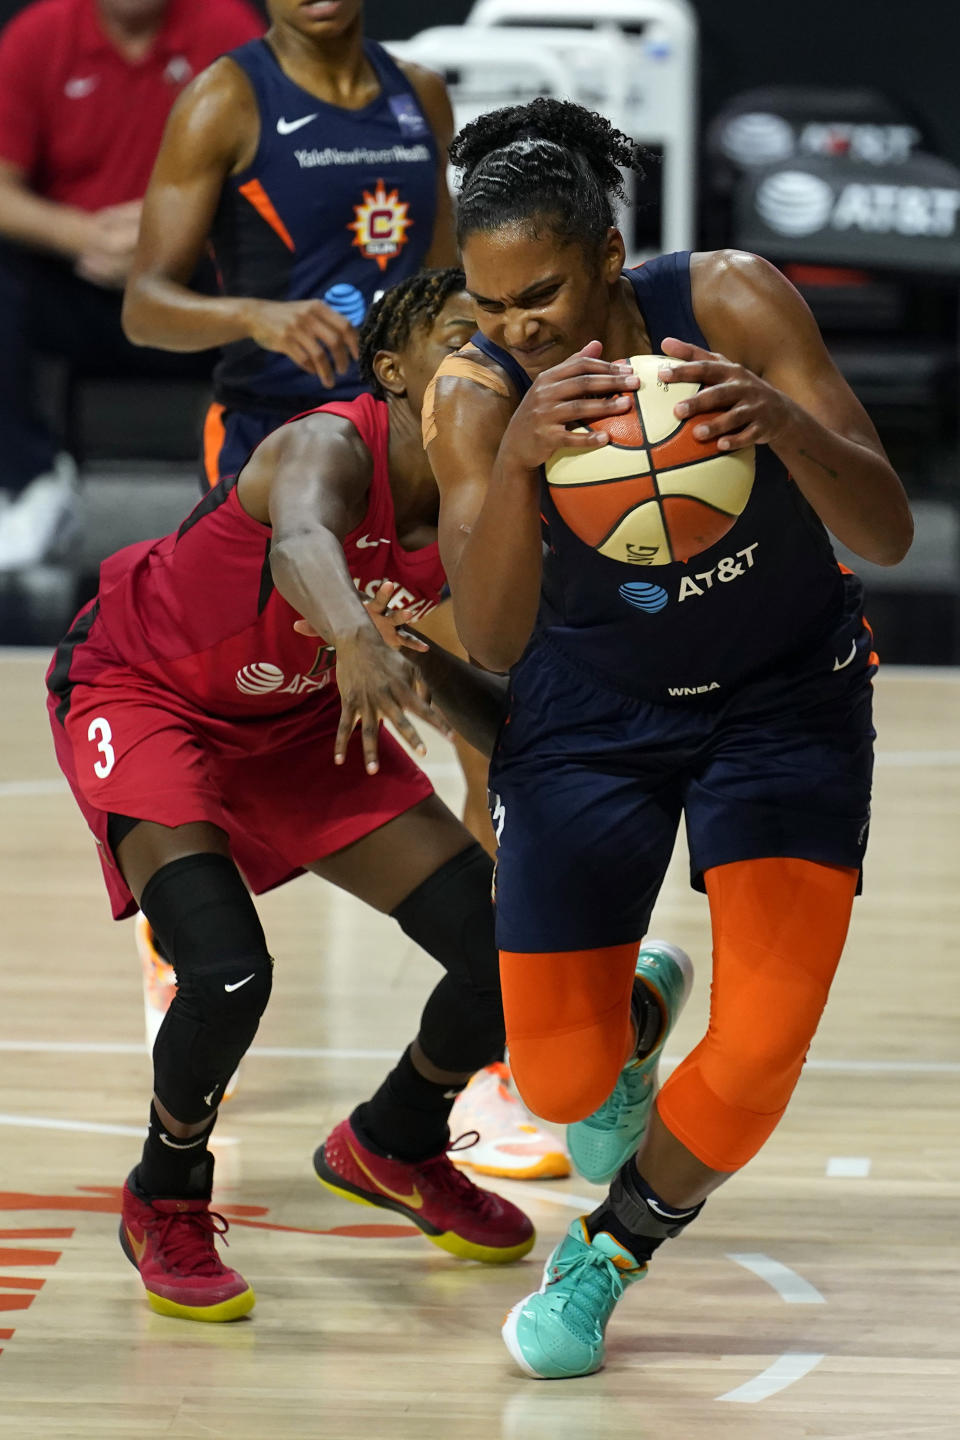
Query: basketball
{"x":655,"y":493}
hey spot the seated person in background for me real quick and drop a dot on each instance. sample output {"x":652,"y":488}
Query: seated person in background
{"x":85,"y":90}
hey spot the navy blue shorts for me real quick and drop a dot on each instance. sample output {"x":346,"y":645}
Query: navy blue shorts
{"x":587,"y":787}
{"x":230,"y":437}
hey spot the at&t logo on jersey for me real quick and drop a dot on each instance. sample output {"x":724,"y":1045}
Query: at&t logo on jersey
{"x":380,"y":225}
{"x":265,"y":678}
{"x":348,"y":301}
{"x":731,"y":567}
{"x":642,"y":596}
{"x":654,"y":598}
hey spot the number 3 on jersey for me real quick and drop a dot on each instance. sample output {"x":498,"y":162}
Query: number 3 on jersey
{"x":100,"y":732}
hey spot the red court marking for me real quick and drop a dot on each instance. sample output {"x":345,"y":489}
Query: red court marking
{"x":19,"y":1282}
{"x":29,"y":1257}
{"x":37,"y":1234}
{"x":6,"y":1334}
{"x":105,"y":1199}
{"x":16,"y":1302}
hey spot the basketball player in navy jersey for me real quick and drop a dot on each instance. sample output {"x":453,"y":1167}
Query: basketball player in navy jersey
{"x":314,"y":166}
{"x":742,"y":701}
{"x":207,"y":739}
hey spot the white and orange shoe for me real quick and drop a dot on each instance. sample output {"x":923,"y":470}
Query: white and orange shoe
{"x":511,"y":1144}
{"x":159,"y":988}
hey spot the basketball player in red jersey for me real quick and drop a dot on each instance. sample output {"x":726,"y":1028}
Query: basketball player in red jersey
{"x":734,"y":689}
{"x":314,"y":165}
{"x":206,"y":739}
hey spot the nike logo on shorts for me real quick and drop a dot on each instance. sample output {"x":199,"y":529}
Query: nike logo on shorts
{"x":287,"y":127}
{"x":842,"y":664}
{"x":237,"y":983}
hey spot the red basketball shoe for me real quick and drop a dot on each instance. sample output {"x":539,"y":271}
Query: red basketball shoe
{"x":171,"y":1244}
{"x":451,"y":1211}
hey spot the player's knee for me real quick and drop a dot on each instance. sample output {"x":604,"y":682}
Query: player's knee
{"x":556,"y":1088}
{"x":450,"y":915}
{"x":231,"y":993}
{"x":459,"y":1031}
{"x":757,"y":1066}
{"x":202,"y":911}
{"x":206,"y":1032}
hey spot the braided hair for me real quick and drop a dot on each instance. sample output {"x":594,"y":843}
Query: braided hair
{"x":402,"y":309}
{"x":550,"y":159}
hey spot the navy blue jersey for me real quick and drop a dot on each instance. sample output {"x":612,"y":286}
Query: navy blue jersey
{"x":768,"y":595}
{"x":337,"y":205}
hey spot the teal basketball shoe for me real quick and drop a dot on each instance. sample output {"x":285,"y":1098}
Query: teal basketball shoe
{"x":557,"y":1332}
{"x":600,"y":1144}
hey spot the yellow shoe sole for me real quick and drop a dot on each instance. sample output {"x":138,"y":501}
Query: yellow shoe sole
{"x":446,"y":1240}
{"x":232,"y":1309}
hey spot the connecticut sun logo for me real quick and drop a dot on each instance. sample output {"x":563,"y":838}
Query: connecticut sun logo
{"x":381,"y":224}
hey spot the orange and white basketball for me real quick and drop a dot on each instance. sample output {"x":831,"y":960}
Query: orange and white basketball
{"x":655,"y":493}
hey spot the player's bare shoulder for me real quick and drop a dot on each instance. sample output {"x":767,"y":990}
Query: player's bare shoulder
{"x":471,"y":375}
{"x":217,"y":114}
{"x":429,"y":86}
{"x":742,"y":303}
{"x":319,"y":450}
{"x":467,"y":407}
{"x":727,"y":279}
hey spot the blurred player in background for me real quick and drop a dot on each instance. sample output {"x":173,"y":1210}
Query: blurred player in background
{"x":85,"y":90}
{"x":741,"y":698}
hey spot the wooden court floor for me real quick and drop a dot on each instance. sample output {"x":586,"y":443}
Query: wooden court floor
{"x":819,"y":1295}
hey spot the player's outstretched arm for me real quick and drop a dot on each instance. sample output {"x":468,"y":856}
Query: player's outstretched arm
{"x":771,"y":380}
{"x":473,"y":700}
{"x":309,"y":481}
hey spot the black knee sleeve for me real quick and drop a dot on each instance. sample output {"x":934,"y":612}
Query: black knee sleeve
{"x":202,"y":912}
{"x":451,"y":916}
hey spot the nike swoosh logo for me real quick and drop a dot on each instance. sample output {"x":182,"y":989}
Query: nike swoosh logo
{"x":81,"y":86}
{"x":287,"y":127}
{"x":137,"y":1246}
{"x":237,"y":983}
{"x":414,"y":1199}
{"x":365,"y":543}
{"x":208,"y":1099}
{"x":842,"y":664}
{"x":188,"y":1145}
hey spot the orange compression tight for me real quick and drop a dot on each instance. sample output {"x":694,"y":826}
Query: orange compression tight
{"x":779,"y":926}
{"x":569,"y":1028}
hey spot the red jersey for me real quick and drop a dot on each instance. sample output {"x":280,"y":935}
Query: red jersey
{"x":195,"y":621}
{"x":80,"y":119}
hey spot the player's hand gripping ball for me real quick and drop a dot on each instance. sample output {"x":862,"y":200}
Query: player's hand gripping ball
{"x":655,"y":494}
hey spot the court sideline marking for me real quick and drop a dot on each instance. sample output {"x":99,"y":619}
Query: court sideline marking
{"x":320,"y":1052}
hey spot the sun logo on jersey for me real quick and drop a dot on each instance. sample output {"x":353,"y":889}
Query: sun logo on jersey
{"x":380,"y":225}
